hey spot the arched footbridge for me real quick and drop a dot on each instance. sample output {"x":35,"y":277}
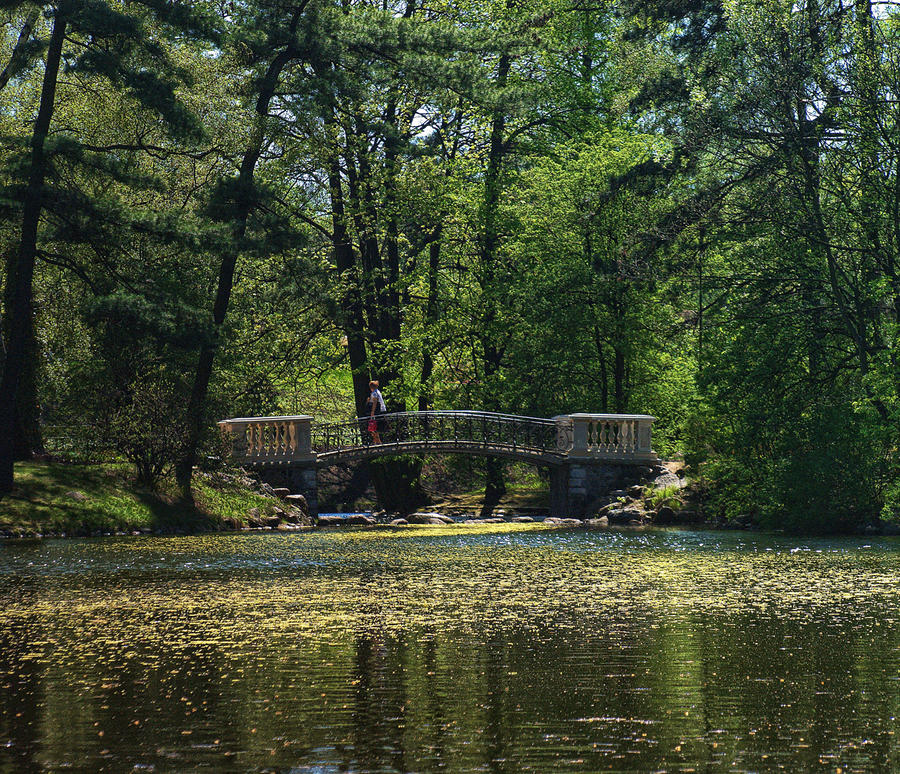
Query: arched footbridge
{"x":583,"y":451}
{"x":285,"y":440}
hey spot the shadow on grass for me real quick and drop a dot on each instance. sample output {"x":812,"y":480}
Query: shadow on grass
{"x":75,"y":499}
{"x":174,"y":516}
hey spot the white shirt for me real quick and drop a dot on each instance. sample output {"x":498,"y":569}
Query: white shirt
{"x":378,"y":401}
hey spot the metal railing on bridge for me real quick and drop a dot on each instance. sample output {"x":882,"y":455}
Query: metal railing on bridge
{"x":424,"y":431}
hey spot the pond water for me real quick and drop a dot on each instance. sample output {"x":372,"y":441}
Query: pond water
{"x":503,"y":648}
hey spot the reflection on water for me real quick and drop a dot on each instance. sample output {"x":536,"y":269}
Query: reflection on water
{"x":502,"y":649}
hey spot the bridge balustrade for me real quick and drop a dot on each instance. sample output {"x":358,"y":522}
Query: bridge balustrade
{"x":269,"y":439}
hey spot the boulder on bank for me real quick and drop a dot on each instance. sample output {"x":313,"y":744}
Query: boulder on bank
{"x":667,"y":479}
{"x":557,"y":522}
{"x":601,"y":521}
{"x":353,"y":520}
{"x":254,"y":519}
{"x":429,"y":518}
{"x":521,"y":519}
{"x":298,"y":501}
{"x":664,"y":515}
{"x":624,"y":515}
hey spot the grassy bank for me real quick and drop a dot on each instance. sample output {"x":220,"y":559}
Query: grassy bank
{"x":58,"y":498}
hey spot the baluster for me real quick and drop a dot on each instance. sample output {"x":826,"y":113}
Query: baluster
{"x":292,"y":439}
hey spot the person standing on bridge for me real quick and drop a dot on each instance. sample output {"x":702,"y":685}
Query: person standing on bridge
{"x":375,"y":404}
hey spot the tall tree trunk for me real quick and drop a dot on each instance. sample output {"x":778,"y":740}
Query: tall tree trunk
{"x":392,"y":309}
{"x":432,"y":306}
{"x":28,"y":440}
{"x":244,"y":202}
{"x":490,"y":239}
{"x":20,"y":273}
{"x":619,"y":380}
{"x":18,"y":52}
{"x":352,"y":319}
{"x":604,"y":377}
{"x":426,"y":394}
{"x":492,"y":354}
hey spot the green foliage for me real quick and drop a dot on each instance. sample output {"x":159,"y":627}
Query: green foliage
{"x":667,"y":496}
{"x":147,"y":430}
{"x":683,"y":209}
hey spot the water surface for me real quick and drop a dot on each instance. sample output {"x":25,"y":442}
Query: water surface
{"x":503,"y":648}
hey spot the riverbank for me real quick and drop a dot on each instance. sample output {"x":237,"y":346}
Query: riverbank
{"x":61,"y":499}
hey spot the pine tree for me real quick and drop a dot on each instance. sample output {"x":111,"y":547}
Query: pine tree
{"x":123,"y":45}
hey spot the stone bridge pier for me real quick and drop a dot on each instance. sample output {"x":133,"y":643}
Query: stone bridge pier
{"x":588,"y":454}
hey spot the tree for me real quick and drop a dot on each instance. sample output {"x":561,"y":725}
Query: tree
{"x":96,"y":40}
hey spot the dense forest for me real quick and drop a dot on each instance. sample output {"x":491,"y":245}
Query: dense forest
{"x":685,"y":208}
